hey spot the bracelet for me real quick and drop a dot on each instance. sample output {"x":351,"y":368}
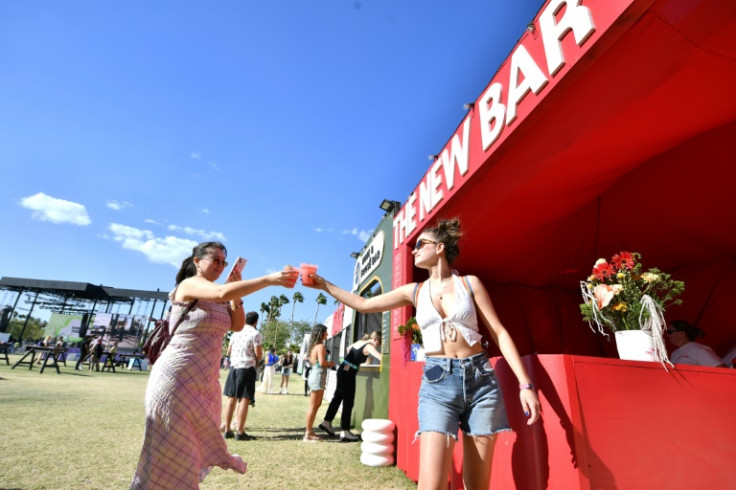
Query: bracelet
{"x":237,"y":307}
{"x":526,"y":387}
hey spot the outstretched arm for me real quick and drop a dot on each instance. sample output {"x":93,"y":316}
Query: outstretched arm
{"x":200,"y":288}
{"x":401,"y":296}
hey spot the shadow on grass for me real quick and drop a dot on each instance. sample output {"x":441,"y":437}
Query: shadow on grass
{"x":288,"y":434}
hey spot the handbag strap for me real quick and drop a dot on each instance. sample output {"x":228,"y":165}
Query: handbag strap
{"x":181,"y":317}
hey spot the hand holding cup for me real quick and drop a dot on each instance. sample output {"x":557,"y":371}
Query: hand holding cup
{"x":293,"y":274}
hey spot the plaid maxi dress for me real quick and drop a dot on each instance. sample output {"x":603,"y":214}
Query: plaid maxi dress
{"x":182,"y":439}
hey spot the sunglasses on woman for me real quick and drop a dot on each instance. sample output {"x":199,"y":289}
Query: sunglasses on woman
{"x":422,"y":242}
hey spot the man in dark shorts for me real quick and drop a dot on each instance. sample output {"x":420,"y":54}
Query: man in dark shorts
{"x":245,"y":351}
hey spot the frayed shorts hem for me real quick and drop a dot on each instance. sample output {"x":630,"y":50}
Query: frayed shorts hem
{"x":454,"y":436}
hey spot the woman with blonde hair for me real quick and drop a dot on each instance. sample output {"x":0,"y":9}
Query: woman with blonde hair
{"x":459,"y":387}
{"x":317,"y":353}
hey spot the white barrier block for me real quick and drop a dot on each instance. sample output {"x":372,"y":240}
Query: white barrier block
{"x":377,"y":449}
{"x":377,"y":437}
{"x":374,"y":460}
{"x":378,"y":425}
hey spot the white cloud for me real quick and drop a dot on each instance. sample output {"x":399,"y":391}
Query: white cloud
{"x":206,"y":211}
{"x":205,"y":235}
{"x":319,"y":230}
{"x":214,"y":166}
{"x":362,"y":235}
{"x":160,"y":250}
{"x":47,"y":208}
{"x":195,"y":155}
{"x":117,"y":206}
{"x":152,"y":222}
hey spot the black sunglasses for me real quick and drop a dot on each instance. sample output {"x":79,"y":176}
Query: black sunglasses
{"x":421,"y":242}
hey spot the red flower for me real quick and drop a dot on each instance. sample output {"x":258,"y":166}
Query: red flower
{"x":603,"y":271}
{"x":623,"y":260}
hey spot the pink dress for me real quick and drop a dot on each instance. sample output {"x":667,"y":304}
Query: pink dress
{"x":182,"y":440}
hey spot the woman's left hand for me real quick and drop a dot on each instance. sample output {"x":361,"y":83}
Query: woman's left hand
{"x":530,"y":405}
{"x":235,"y":276}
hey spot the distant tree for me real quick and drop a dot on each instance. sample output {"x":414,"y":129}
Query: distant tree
{"x":298,"y":298}
{"x":321,"y":300}
{"x":34,"y":328}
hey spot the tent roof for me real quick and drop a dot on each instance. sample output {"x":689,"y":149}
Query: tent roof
{"x":532,"y":211}
{"x":79,"y":290}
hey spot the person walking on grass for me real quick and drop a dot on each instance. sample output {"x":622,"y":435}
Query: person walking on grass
{"x":245,"y":351}
{"x":287,"y":366}
{"x":268,"y":371}
{"x":182,"y":439}
{"x":317,"y":377}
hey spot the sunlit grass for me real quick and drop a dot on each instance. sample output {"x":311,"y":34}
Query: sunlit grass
{"x":84,"y":430}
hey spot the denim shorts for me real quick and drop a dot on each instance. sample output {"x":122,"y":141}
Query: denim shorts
{"x":461,"y":393}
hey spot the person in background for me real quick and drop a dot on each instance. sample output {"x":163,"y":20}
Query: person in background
{"x":182,"y":440}
{"x":459,"y":387}
{"x":96,"y":354}
{"x":356,"y":355}
{"x":268,"y":370}
{"x":306,"y":368}
{"x":317,"y":377}
{"x":84,"y":347}
{"x":682,"y":335}
{"x":244,"y":351}
{"x":287,"y":365}
{"x":729,"y":360}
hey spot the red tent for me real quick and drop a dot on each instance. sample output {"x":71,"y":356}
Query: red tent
{"x":625,"y":144}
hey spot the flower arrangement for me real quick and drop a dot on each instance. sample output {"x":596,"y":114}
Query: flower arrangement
{"x":619,"y":296}
{"x":411,"y":330}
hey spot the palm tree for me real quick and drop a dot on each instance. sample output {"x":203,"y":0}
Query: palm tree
{"x":321,"y":300}
{"x":279,"y":302}
{"x":298,"y":298}
{"x":265,"y":312}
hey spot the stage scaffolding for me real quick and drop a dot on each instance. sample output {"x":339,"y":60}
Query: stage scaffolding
{"x":74,"y":298}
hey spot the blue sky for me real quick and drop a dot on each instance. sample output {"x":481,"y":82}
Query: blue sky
{"x":130,"y":131}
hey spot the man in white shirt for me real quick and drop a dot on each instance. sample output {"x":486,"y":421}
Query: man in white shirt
{"x":245,"y":351}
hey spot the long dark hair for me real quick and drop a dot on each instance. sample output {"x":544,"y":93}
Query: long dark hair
{"x":316,"y":338}
{"x":188,"y":268}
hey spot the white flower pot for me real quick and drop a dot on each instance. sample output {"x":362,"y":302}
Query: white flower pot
{"x":635,"y":345}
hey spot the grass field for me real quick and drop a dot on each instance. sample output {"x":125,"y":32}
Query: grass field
{"x":80,"y":429}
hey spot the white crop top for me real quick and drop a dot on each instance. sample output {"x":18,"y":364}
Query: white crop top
{"x":462,"y":317}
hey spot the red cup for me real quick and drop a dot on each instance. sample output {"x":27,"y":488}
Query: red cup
{"x":308,"y":269}
{"x":295,"y":277}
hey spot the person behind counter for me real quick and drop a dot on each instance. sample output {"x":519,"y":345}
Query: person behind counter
{"x":356,"y":355}
{"x":682,"y":335}
{"x":458,"y":387}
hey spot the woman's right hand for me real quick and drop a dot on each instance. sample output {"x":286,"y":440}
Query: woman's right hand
{"x":283,"y":277}
{"x":318,"y":282}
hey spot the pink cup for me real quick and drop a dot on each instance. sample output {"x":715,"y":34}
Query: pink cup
{"x":295,"y":271}
{"x":306,"y":270}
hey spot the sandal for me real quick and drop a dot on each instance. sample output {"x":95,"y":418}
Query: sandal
{"x":311,"y":438}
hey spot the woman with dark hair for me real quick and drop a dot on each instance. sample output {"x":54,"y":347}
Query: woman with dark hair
{"x":356,"y":355}
{"x":182,"y":440}
{"x":682,"y":335}
{"x":317,"y":377}
{"x":459,"y":388}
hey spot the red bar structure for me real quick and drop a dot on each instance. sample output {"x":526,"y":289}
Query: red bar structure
{"x":609,"y":127}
